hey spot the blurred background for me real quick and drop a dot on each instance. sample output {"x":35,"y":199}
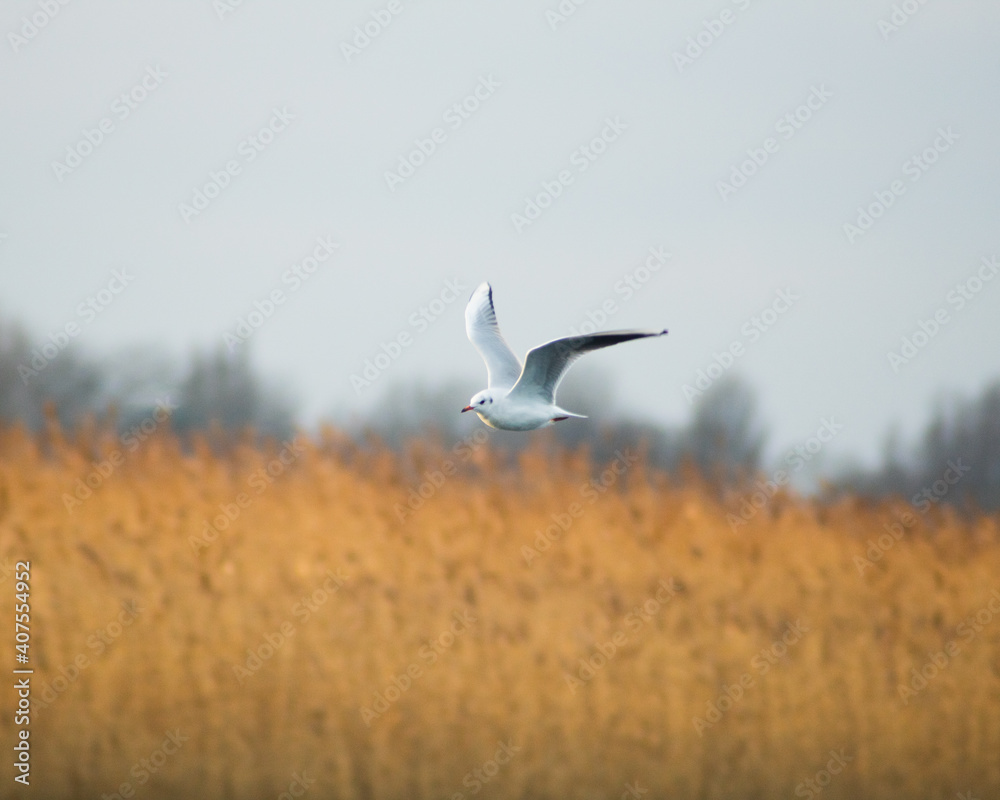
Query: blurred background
{"x":244,"y":206}
{"x":236,"y":243}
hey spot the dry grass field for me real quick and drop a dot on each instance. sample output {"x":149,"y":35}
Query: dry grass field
{"x":294,"y":622}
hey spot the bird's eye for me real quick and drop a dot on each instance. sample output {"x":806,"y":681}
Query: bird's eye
{"x":481,"y":402}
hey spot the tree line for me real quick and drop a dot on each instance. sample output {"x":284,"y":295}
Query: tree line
{"x":954,"y":460}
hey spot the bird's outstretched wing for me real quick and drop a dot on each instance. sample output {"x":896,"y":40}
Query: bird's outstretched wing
{"x":546,"y":364}
{"x":502,"y":365}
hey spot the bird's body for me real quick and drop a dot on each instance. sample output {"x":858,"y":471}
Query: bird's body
{"x":521,"y":414}
{"x":524,"y":398}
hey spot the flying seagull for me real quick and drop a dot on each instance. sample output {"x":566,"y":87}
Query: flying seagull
{"x":524,"y":398}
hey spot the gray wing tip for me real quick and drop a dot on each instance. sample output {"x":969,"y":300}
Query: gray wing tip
{"x":484,"y":286}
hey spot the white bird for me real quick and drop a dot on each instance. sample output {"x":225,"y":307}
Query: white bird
{"x":523,"y":399}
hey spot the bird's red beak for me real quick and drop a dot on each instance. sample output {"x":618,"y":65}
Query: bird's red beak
{"x":467,"y":408}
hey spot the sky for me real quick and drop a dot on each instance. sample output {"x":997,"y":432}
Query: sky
{"x":806,"y":195}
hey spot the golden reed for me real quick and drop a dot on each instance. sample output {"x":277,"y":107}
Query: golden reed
{"x":318,"y":619}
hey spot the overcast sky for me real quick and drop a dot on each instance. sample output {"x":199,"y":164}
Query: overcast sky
{"x":204,"y":150}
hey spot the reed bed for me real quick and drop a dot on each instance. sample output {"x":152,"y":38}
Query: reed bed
{"x":321,"y":619}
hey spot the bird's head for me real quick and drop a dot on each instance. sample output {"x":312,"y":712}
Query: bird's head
{"x":481,"y":403}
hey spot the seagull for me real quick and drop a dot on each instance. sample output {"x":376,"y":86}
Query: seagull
{"x":524,"y":398}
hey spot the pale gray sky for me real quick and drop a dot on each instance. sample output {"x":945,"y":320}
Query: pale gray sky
{"x":198,"y":90}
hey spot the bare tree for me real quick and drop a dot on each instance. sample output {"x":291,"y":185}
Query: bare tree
{"x":32,"y":376}
{"x":726,"y":437}
{"x":222,"y":389}
{"x":961,"y":439}
{"x":216,"y":389}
